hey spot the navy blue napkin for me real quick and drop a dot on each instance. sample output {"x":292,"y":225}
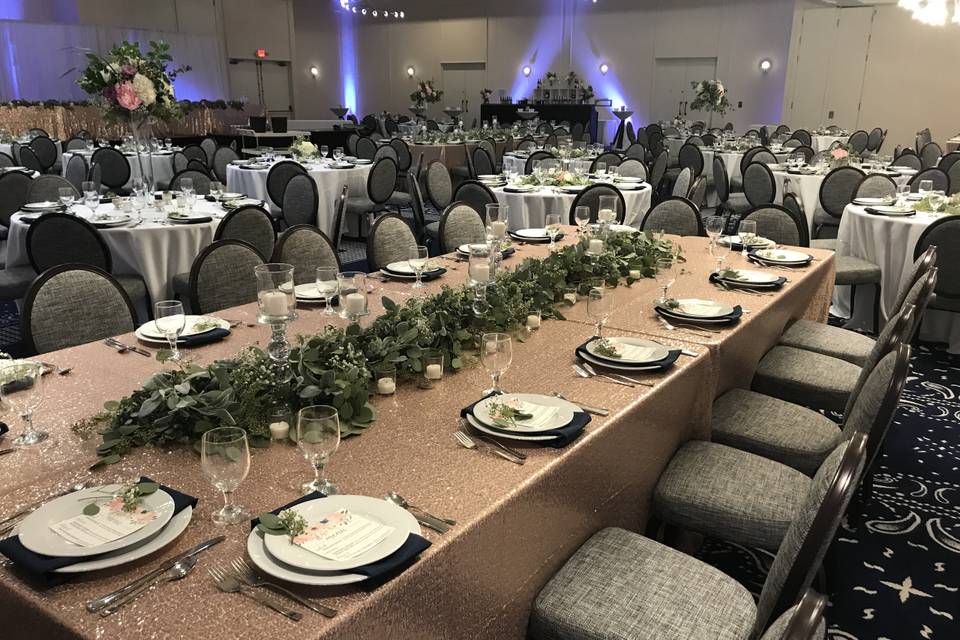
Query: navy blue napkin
{"x":564,"y":435}
{"x":382,"y":570}
{"x":206,"y":337}
{"x":671,"y":357}
{"x":676,"y":317}
{"x":776,"y":284}
{"x":3,"y":428}
{"x":40,"y":568}
{"x":753,"y":257}
{"x":425,"y":277}
{"x":532,"y":240}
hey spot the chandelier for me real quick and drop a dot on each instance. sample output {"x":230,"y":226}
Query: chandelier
{"x":361,"y":8}
{"x":932,"y":12}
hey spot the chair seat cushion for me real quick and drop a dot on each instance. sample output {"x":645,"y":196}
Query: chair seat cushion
{"x":738,"y":203}
{"x":823,"y":219}
{"x":944,"y":303}
{"x":14,"y":281}
{"x":359,"y":205}
{"x":830,"y":341}
{"x":824,"y":243}
{"x":399,"y":199}
{"x":134,"y":285}
{"x":433,"y":230}
{"x":729,"y":494}
{"x":460,"y":172}
{"x":851,"y":270}
{"x":787,"y":433}
{"x":622,"y":586}
{"x":806,"y":378}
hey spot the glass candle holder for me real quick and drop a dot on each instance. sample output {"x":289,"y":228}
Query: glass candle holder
{"x":481,"y":268}
{"x":385,"y":379}
{"x":277,"y":305}
{"x":432,"y":369}
{"x":279,"y":423}
{"x":570,"y":295}
{"x":353,"y":295}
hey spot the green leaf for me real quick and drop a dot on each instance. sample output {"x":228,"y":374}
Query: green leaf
{"x":270,"y":521}
{"x":388,"y":304}
{"x":91,"y":510}
{"x":146,"y":488}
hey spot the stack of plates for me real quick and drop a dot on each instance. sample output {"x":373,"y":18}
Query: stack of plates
{"x":105,"y":221}
{"x":310,"y":294}
{"x":464,"y":250}
{"x":781,"y":257}
{"x":346,"y":165}
{"x":559,"y":414}
{"x":277,"y":556}
{"x":193,"y":326}
{"x":492,"y":180}
{"x":636,"y":355}
{"x":231,"y":195}
{"x":532,"y":235}
{"x":35,"y":533}
{"x":692,"y":310}
{"x":194,"y":217}
{"x":521,"y":188}
{"x":44,"y":206}
{"x":749,"y":279}
{"x":255,"y":166}
{"x":873,"y":202}
{"x":630,"y":184}
{"x":403,"y":271}
{"x":892,"y":211}
{"x":758,"y":243}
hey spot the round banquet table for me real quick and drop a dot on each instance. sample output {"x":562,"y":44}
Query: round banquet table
{"x":518,"y":164}
{"x":450,"y":154}
{"x":153,"y":250}
{"x":888,"y":242}
{"x":162,"y":163}
{"x":529,"y":210}
{"x":253,"y":182}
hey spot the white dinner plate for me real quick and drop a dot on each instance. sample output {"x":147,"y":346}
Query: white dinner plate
{"x":149,"y":329}
{"x":258,"y":553}
{"x":783,"y":256}
{"x":748,"y":276}
{"x":489,"y":177}
{"x":612,"y":364}
{"x":362,"y":161}
{"x":36,"y":535}
{"x":168,"y":534}
{"x":403,"y":268}
{"x":894,"y":212}
{"x":698,"y":309}
{"x":574,"y":188}
{"x":43,"y":205}
{"x":308,"y":292}
{"x":872,"y":202}
{"x":188,"y":218}
{"x":231,"y":195}
{"x":758,"y":242}
{"x":479,"y":426}
{"x":110,"y":221}
{"x":561,"y":418}
{"x":381,"y":511}
{"x":651,"y":351}
{"x":534,"y":234}
{"x":907,"y":171}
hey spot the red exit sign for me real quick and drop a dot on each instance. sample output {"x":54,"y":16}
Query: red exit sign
{"x":261,"y":53}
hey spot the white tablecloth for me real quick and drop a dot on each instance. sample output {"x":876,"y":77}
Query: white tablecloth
{"x":822,"y":143}
{"x":518,"y":164}
{"x":890,"y":244}
{"x":530,"y":209}
{"x":253,"y":182}
{"x":156,"y":252}
{"x":162,"y":164}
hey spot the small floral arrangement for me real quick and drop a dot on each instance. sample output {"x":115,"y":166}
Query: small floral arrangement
{"x":603,"y":347}
{"x":941,"y":204}
{"x":128,"y":498}
{"x":555,"y":178}
{"x":551,"y":76}
{"x":288,"y":522}
{"x":485,"y":95}
{"x":841,"y":155}
{"x":303,"y":148}
{"x":426,"y":93}
{"x":711,"y":96}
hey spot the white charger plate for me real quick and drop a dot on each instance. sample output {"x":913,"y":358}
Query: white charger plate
{"x":373,"y":509}
{"x":871,"y":202}
{"x":710,"y":309}
{"x":610,"y":364}
{"x":758,"y":242}
{"x":482,"y":428}
{"x":748,"y":276}
{"x":655,"y":351}
{"x":149,"y":330}
{"x":403,"y":268}
{"x":533,"y":234}
{"x":783,"y":256}
{"x":894,"y":212}
{"x":36,"y":535}
{"x":561,"y":418}
{"x":308,"y":291}
{"x":43,"y":205}
{"x":112,"y":221}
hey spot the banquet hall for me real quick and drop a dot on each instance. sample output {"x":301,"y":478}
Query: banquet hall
{"x":527,"y":319}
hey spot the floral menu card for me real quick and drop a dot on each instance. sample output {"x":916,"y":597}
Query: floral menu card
{"x":342,"y":535}
{"x":110,"y":523}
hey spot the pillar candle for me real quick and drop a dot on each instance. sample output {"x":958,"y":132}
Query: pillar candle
{"x":434,"y":372}
{"x":533,"y":321}
{"x":499,"y":228}
{"x":635,"y":274}
{"x":480,"y":272}
{"x":596,"y":246}
{"x":355,"y":303}
{"x":279,"y":430}
{"x":274,"y":303}
{"x":386,"y":386}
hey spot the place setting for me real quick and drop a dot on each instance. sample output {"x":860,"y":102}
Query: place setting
{"x":783,"y":258}
{"x":173,"y":328}
{"x":418,"y":267}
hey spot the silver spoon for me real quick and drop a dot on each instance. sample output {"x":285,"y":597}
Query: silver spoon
{"x":400,"y":501}
{"x":174,"y":573}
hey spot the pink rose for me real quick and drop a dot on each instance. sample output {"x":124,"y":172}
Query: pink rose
{"x":128,"y":70}
{"x":127,"y":97}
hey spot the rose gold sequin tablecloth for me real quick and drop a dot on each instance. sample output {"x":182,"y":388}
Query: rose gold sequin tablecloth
{"x":517,"y":525}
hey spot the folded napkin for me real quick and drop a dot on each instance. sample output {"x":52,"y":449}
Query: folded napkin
{"x":40,"y":568}
{"x":671,"y":357}
{"x":563,"y":436}
{"x":534,"y":239}
{"x":382,"y":570}
{"x":776,"y":284}
{"x":3,"y":428}
{"x":214,"y":335}
{"x":425,"y":276}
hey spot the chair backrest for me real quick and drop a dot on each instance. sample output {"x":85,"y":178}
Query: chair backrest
{"x":404,"y":158}
{"x":390,"y":240}
{"x":780,"y":224}
{"x":439,"y":185}
{"x":924,"y":260}
{"x":674,"y":215}
{"x":632,"y":168}
{"x":74,"y":144}
{"x":366,"y":148}
{"x":698,"y":192}
{"x":29,"y":159}
{"x":695,"y":140}
{"x":477,"y":195}
{"x":278,"y":177}
{"x":941,"y":181}
{"x":382,"y":180}
{"x":923,"y":137}
{"x":590,"y":197}
{"x":658,"y":170}
{"x":198,"y":165}
{"x":805,"y":151}
{"x":875,"y":139}
{"x":352,"y":140}
{"x":792,"y":143}
{"x":947,"y":161}
{"x":527,"y":144}
{"x":803,"y":136}
{"x":636,"y":150}
{"x":300,"y":201}
{"x":812,"y":529}
{"x":222,"y":157}
{"x":209,"y":146}
{"x":945,"y":235}
{"x":14,"y":186}
{"x":340,"y":208}
{"x":690,"y":157}
{"x":114,"y":167}
{"x":609,"y":158}
{"x":747,"y":157}
{"x":76,"y":170}
{"x":576,"y":131}
{"x":6,"y":160}
{"x":386,"y":151}
{"x":858,"y":141}
{"x":222,"y":276}
{"x":838,"y":188}
{"x":681,"y":188}
{"x":48,"y":187}
{"x":759,"y":185}
{"x":180,"y":161}
{"x":252,"y":225}
{"x":46,"y":151}
{"x":306,"y":248}
{"x":57,"y":238}
{"x":929,"y":154}
{"x":460,"y":224}
{"x":416,"y":206}
{"x":792,"y":203}
{"x":721,"y":183}
{"x":876,"y":186}
{"x":482,"y":162}
{"x":908,"y":159}
{"x":803,"y":621}
{"x":201,"y":181}
{"x":195,"y":152}
{"x":534,"y":158}
{"x":74,"y":304}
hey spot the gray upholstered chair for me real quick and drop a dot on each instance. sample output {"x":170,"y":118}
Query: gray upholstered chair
{"x":681,"y":186}
{"x":953,"y":173}
{"x":732,"y":202}
{"x":180,"y":161}
{"x":658,"y":170}
{"x":366,"y":148}
{"x":698,"y":192}
{"x":339,"y":209}
{"x":623,"y":585}
{"x":875,"y":140}
{"x":278,"y":177}
{"x":381,"y":182}
{"x":75,"y":144}
{"x":637,"y":151}
{"x":876,"y":186}
{"x":352,"y":140}
{"x":780,"y":224}
{"x":939,"y":178}
{"x":803,"y":136}
{"x":944,"y":234}
{"x":14,"y":186}
{"x":404,"y":157}
{"x":28,"y":158}
{"x":423,"y":232}
{"x":390,"y":240}
{"x":690,"y":157}
{"x":803,"y":621}
{"x":114,"y":168}
{"x":300,"y":201}
{"x":460,"y":224}
{"x":527,"y":144}
{"x":590,"y":197}
{"x":48,"y":187}
{"x":6,"y":160}
{"x":535,"y":158}
{"x":483,"y":162}
{"x":209,"y":146}
{"x":439,"y":185}
{"x":76,"y":171}
{"x":306,"y":248}
{"x":930,"y":155}
{"x":386,"y":151}
{"x":46,"y":152}
{"x":74,"y":304}
{"x":836,"y":192}
{"x":222,"y":277}
{"x":477,"y":195}
{"x":759,"y":186}
{"x":222,"y":157}
{"x":805,"y":152}
{"x":908,"y":159}
{"x":632,"y":168}
{"x":201,"y":181}
{"x":858,"y":141}
{"x":251,"y":224}
{"x":674,"y":215}
{"x":195,"y":152}
{"x":609,"y":158}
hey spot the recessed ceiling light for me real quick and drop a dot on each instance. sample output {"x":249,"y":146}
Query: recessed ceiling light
{"x":527,"y":70}
{"x":765,"y":65}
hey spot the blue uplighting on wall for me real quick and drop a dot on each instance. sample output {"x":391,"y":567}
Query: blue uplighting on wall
{"x":540,"y":55}
{"x":348,"y":63}
{"x":12,"y":9}
{"x":14,"y":86}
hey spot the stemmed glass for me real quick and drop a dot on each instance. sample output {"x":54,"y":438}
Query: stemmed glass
{"x":324,"y":151}
{"x":327,"y":286}
{"x":666,"y":275}
{"x":318,"y":437}
{"x":553,"y":229}
{"x":926,"y":186}
{"x":598,"y":305}
{"x":748,"y":233}
{"x":168,"y":143}
{"x":22,"y":390}
{"x":91,"y":198}
{"x":719,"y":252}
{"x":496,"y":354}
{"x":170,"y":320}
{"x":338,"y":154}
{"x":714,"y":228}
{"x":225,"y":460}
{"x":582,"y":216}
{"x":66,"y":197}
{"x":418,"y":262}
{"x":216,"y":189}
{"x":937,"y":199}
{"x":186,"y":186}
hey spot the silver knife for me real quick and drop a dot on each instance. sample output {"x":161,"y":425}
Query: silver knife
{"x":100,"y":603}
{"x":597,"y":411}
{"x":431,"y":523}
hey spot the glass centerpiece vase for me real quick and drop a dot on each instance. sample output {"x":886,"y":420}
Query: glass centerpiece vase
{"x":277,"y":306}
{"x":142,"y":133}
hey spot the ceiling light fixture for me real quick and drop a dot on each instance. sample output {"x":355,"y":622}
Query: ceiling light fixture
{"x":315,"y":71}
{"x":765,"y":65}
{"x":604,"y":67}
{"x":363,"y":8}
{"x":526,"y":70}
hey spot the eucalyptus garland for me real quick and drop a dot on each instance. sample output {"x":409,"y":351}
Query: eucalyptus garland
{"x":335,"y":366}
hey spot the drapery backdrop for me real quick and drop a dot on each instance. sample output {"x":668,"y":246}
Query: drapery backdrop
{"x":35,"y":56}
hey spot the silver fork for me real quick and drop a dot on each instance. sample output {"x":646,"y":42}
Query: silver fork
{"x":229,"y":584}
{"x":583,"y":373}
{"x":494,"y":442}
{"x":687,"y":328}
{"x":467,"y":443}
{"x":122,"y":347}
{"x":619,"y":376}
{"x":246,"y":574}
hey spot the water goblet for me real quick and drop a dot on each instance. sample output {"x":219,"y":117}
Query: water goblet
{"x":225,"y":461}
{"x":418,"y":262}
{"x":186,"y":186}
{"x":216,"y":189}
{"x":553,"y":221}
{"x":496,"y":354}
{"x":748,"y":234}
{"x":598,"y":305}
{"x":719,"y":251}
{"x":582,"y":216}
{"x":714,"y":228}
{"x":324,"y":151}
{"x":665,"y":276}
{"x":926,"y":186}
{"x":327,"y":286}
{"x":170,"y":320}
{"x":318,"y":437}
{"x":91,"y":197}
{"x":66,"y":195}
{"x":21,"y":389}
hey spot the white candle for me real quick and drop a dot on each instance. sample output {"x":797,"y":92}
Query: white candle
{"x":434,"y":372}
{"x":606,"y":215}
{"x":533,"y":322}
{"x":279,"y":430}
{"x":499,"y":228}
{"x":596,"y":246}
{"x":635,"y":274}
{"x":570,"y":297}
{"x":274,"y":303}
{"x":355,"y":303}
{"x":480,"y":272}
{"x":386,"y":386}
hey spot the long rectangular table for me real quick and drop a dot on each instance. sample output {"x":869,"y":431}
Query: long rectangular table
{"x":516,"y":525}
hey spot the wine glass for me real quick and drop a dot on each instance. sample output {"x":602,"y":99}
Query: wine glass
{"x":600,"y":169}
{"x":553,"y":229}
{"x":91,"y":198}
{"x":338,"y":154}
{"x":719,"y":251}
{"x":418,"y":262}
{"x":170,"y":320}
{"x":598,"y":305}
{"x":216,"y":189}
{"x":496,"y":354}
{"x":186,"y":186}
{"x":324,"y":151}
{"x":926,"y":186}
{"x":666,"y":275}
{"x":318,"y":436}
{"x":937,"y":199}
{"x":22,"y":390}
{"x":327,"y":286}
{"x":66,"y":197}
{"x":714,"y":228}
{"x":225,"y":460}
{"x":582,"y":216}
{"x":168,"y":143}
{"x":748,"y":234}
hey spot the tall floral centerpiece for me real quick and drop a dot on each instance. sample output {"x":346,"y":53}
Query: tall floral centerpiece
{"x":711,"y":97}
{"x":134,"y":87}
{"x":425,"y":93}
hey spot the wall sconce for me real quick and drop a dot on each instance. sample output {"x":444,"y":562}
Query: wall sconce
{"x":411,"y":72}
{"x":315,"y":71}
{"x":604,"y":67}
{"x":526,"y":70}
{"x":766,"y":65}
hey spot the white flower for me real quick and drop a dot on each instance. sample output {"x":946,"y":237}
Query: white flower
{"x":143,"y":87}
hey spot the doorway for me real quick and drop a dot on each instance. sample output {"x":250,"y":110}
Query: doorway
{"x":462,"y":82}
{"x":672,"y":91}
{"x":263,"y":82}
